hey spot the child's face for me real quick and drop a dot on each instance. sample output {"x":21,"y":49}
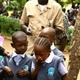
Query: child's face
{"x":20,"y":45}
{"x":41,"y":53}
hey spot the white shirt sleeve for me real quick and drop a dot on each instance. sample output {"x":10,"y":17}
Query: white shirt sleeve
{"x":62,"y":69}
{"x":32,"y":67}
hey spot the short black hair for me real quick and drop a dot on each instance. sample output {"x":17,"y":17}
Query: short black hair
{"x":18,"y":34}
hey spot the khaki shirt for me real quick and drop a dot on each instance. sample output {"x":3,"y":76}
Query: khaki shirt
{"x":51,"y":16}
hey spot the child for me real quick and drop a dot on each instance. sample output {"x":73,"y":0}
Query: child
{"x":47,"y":65}
{"x":3,"y":52}
{"x":17,"y":67}
{"x":50,"y":34}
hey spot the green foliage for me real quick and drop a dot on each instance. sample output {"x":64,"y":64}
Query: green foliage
{"x":77,"y":1}
{"x":18,"y":4}
{"x":13,"y":4}
{"x":8,"y":25}
{"x":21,"y":3}
{"x":1,"y":1}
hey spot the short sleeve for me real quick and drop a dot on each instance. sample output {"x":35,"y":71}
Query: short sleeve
{"x":62,"y":69}
{"x":24,"y":18}
{"x":59,"y":20}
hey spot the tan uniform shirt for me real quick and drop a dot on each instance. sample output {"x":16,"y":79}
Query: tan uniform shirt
{"x":51,"y":16}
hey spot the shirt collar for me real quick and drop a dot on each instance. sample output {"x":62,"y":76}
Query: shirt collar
{"x":48,"y":5}
{"x":15,"y":54}
{"x":53,"y":46}
{"x":50,"y":58}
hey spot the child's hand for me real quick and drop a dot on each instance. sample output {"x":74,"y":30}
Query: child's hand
{"x":39,"y":62}
{"x":6,"y":53}
{"x":22,"y":73}
{"x":7,"y":71}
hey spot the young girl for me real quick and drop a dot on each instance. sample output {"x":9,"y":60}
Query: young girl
{"x":50,"y":34}
{"x":47,"y":65}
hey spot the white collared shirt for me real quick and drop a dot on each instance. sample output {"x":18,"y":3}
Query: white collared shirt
{"x":15,"y":54}
{"x":42,"y":7}
{"x":17,"y":57}
{"x":53,"y":46}
{"x":50,"y":58}
{"x":62,"y":69}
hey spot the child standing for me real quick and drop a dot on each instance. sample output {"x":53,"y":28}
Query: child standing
{"x":17,"y":67}
{"x":50,"y":34}
{"x":47,"y":65}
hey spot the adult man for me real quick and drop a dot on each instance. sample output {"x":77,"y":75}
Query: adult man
{"x":38,"y":14}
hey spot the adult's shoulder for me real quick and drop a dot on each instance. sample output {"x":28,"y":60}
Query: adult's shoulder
{"x":55,"y":4}
{"x":57,"y":58}
{"x":30,"y":2}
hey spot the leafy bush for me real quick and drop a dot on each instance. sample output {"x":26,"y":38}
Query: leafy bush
{"x":8,"y":25}
{"x":1,"y":1}
{"x":13,"y":4}
{"x":21,"y":3}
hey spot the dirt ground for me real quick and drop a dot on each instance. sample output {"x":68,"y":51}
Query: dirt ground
{"x":7,"y":46}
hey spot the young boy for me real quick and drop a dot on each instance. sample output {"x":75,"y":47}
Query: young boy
{"x":47,"y":65}
{"x":17,"y":67}
{"x":49,"y":33}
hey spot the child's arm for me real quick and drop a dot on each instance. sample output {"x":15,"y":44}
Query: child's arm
{"x":3,"y":52}
{"x":23,"y":73}
{"x":35,"y":73}
{"x":63,"y":71}
{"x":36,"y":70}
{"x":7,"y":71}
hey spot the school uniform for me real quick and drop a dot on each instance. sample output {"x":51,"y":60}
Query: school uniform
{"x":52,"y":69}
{"x":16,"y":63}
{"x":57,"y":52}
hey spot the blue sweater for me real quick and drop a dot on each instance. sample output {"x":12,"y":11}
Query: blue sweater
{"x":25,"y":62}
{"x":49,"y":71}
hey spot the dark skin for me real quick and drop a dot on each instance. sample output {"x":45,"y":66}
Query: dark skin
{"x":52,"y":34}
{"x":41,"y":2}
{"x":7,"y":71}
{"x":48,"y":33}
{"x":40,"y":58}
{"x":20,"y":44}
{"x":3,"y":52}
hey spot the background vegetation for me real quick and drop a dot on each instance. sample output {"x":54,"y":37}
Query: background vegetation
{"x":8,"y":25}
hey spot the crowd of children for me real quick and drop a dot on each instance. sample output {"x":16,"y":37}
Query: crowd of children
{"x":48,"y":63}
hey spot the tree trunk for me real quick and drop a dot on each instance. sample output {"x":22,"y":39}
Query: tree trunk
{"x":74,"y":57}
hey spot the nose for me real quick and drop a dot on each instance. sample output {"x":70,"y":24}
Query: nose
{"x":22,"y":47}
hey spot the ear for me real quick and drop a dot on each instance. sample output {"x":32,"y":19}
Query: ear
{"x":12,"y":45}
